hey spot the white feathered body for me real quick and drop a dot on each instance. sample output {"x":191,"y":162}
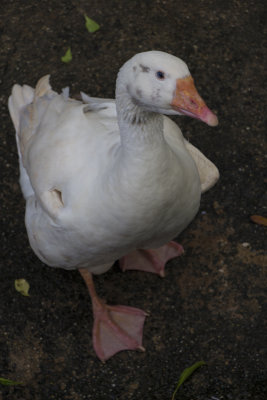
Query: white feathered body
{"x":89,"y":200}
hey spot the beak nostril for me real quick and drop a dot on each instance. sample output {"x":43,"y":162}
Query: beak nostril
{"x":193,"y":103}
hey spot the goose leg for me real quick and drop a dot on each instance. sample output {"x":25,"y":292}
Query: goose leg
{"x":151,"y":260}
{"x":115,"y":328}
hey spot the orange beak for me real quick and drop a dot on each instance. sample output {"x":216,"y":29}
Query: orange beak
{"x":187,"y":101}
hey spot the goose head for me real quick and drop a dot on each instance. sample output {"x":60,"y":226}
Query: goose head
{"x":159,"y":82}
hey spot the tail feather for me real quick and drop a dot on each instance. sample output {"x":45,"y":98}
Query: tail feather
{"x":21,"y":96}
{"x":28,"y":92}
{"x":43,"y":87}
{"x":25,"y":114}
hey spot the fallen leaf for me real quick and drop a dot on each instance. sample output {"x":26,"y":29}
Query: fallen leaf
{"x":67,"y":56}
{"x":258,"y":219}
{"x":8,"y":382}
{"x":22,"y":286}
{"x":91,"y":25}
{"x":186,"y":374}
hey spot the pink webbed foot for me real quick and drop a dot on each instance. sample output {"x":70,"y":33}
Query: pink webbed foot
{"x":116,"y":328}
{"x":152,"y":260}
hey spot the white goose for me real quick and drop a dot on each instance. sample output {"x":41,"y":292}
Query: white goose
{"x":106,"y":181}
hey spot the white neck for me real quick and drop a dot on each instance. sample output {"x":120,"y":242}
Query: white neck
{"x":144,"y":153}
{"x":141,"y":130}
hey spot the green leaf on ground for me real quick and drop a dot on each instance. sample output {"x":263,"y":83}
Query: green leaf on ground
{"x":22,"y":286}
{"x":67,"y":56}
{"x":91,"y":25}
{"x":186,"y":374}
{"x":8,"y":382}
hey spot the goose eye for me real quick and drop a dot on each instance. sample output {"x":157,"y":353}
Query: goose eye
{"x":160,"y":75}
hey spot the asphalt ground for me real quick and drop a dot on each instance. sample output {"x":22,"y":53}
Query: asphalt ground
{"x":211,"y":305}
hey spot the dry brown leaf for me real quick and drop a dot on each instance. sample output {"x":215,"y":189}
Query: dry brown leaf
{"x":258,"y":219}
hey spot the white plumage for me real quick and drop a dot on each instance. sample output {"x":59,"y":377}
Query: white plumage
{"x":102,"y":179}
